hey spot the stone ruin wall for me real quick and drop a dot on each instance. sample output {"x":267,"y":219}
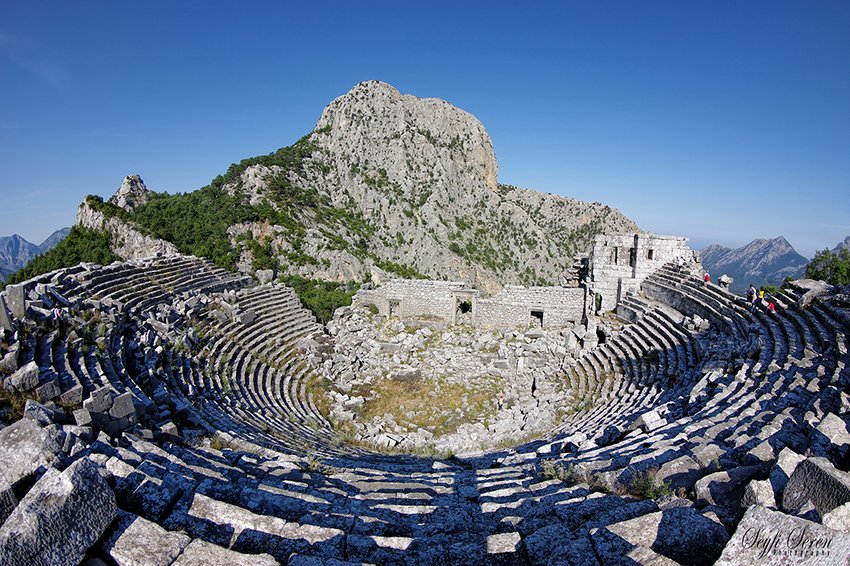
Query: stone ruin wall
{"x":415,"y":298}
{"x":620,"y":263}
{"x":440,"y":300}
{"x":559,"y":306}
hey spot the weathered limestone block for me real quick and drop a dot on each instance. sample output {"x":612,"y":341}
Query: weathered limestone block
{"x":8,"y":501}
{"x":48,"y":391}
{"x":556,"y":544}
{"x":771,"y":538}
{"x":73,"y":396}
{"x":39,"y":413}
{"x":60,"y":518}
{"x":648,"y":421}
{"x":838,"y":519}
{"x":201,"y":552}
{"x":759,"y":492}
{"x":505,"y":548}
{"x":786,"y":463}
{"x":681,"y":472}
{"x":99,"y":401}
{"x":5,"y":316}
{"x":26,"y":378}
{"x":122,"y":406}
{"x":135,"y":541}
{"x":725,"y":488}
{"x":681,"y":534}
{"x":25,"y":449}
{"x":830,"y":439}
{"x":818,"y":481}
{"x":16,"y":300}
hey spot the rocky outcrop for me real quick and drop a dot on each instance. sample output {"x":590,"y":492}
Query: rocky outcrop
{"x":126,"y":241}
{"x":131,"y":194}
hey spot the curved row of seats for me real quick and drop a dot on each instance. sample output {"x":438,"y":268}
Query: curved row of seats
{"x":277,"y":480}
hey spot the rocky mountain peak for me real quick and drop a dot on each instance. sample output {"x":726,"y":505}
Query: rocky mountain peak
{"x":132,"y":193}
{"x":415,"y":140}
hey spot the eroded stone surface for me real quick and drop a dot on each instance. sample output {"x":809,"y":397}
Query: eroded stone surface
{"x":60,"y":517}
{"x":775,"y":539}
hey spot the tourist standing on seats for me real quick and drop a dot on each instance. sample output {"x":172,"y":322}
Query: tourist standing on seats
{"x":706,"y":277}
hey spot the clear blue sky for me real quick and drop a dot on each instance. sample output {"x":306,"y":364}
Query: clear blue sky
{"x":722,"y":121}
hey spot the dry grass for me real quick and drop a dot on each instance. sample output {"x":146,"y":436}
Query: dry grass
{"x":438,"y":406}
{"x":12,"y":405}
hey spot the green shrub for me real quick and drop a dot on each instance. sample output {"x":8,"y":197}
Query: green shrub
{"x":830,"y":267}
{"x":81,"y":245}
{"x":322,"y":297}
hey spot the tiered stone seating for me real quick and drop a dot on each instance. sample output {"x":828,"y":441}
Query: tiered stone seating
{"x":232,"y":458}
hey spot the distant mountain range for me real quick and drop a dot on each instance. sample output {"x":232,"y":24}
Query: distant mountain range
{"x":841,"y":245}
{"x":16,"y":252}
{"x":761,"y":262}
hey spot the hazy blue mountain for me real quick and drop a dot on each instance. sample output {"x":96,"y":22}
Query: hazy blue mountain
{"x":841,"y":245}
{"x":16,"y":252}
{"x":761,"y":262}
{"x":53,"y":239}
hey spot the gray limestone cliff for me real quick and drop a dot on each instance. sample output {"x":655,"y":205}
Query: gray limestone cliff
{"x":422,"y":174}
{"x":126,"y":240}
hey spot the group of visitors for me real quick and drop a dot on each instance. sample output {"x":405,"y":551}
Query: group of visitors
{"x":755,"y":297}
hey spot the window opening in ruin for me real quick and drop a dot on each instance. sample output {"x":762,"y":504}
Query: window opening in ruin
{"x":632,"y":256}
{"x":464,"y":307}
{"x":615,"y":255}
{"x":537,"y":318}
{"x":650,"y":254}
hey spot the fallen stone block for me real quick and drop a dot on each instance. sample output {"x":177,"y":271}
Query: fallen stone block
{"x":26,"y":449}
{"x":83,"y":417}
{"x":135,"y":541}
{"x":818,"y":481}
{"x":99,"y":401}
{"x":39,"y":413}
{"x":648,"y":421}
{"x":782,"y":470}
{"x":830,"y":439}
{"x":680,"y":534}
{"x":759,"y":492}
{"x":25,"y":378}
{"x":202,"y":552}
{"x":505,"y":548}
{"x":60,"y":518}
{"x":73,"y":397}
{"x":838,"y":519}
{"x":48,"y":391}
{"x":725,"y":488}
{"x":771,"y":538}
{"x":122,"y":406}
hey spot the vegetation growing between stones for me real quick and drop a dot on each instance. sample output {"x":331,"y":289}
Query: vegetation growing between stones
{"x":437,"y":406}
{"x":81,"y":245}
{"x":322,"y":297}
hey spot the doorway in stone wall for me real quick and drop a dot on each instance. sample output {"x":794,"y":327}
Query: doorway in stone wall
{"x":536,"y":319}
{"x":394,"y":308}
{"x":463,"y":311}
